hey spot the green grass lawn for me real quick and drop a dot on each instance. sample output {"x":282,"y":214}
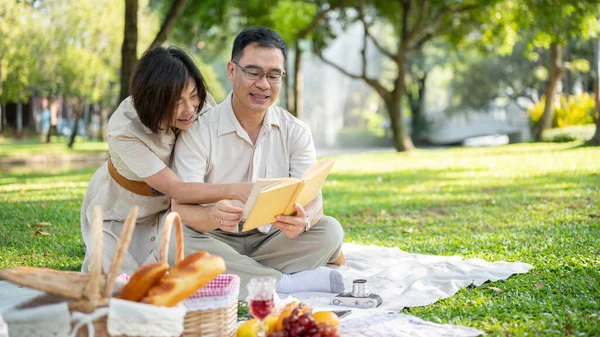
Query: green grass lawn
{"x":58,"y":145}
{"x":535,"y":203}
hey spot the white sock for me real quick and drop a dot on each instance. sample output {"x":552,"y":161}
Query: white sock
{"x":322,"y":279}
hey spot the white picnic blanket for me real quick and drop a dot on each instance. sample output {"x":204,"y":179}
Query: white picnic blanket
{"x":401,"y":325}
{"x":405,"y":279}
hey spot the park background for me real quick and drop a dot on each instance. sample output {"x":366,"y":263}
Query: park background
{"x":402,"y":93}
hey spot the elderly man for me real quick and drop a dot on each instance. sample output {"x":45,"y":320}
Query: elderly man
{"x":244,"y":138}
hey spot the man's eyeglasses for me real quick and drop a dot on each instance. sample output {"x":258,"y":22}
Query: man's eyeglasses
{"x":256,"y":75}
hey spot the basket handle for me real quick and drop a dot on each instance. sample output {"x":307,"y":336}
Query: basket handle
{"x":172,"y":217}
{"x":92,"y":289}
{"x":121,"y":250}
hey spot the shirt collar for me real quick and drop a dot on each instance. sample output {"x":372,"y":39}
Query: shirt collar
{"x":228,"y":122}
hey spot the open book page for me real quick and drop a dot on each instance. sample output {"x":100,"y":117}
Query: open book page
{"x":271,"y":197}
{"x":269,"y":203}
{"x":312,"y":180}
{"x":322,"y":167}
{"x":258,"y":186}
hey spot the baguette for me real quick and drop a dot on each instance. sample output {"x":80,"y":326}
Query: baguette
{"x":142,"y":280}
{"x":183,"y":282}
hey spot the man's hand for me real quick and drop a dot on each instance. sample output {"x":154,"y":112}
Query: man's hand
{"x":292,"y":225}
{"x":226,"y":214}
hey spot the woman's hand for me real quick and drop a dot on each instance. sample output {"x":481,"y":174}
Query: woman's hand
{"x":241,"y":191}
{"x":226,"y":214}
{"x":292,"y":225}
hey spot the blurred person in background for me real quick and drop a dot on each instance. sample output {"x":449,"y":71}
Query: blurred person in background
{"x":44,"y":120}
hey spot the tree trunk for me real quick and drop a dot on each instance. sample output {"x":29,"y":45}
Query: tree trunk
{"x":78,"y":106}
{"x":34,"y":115}
{"x":596,"y":138}
{"x":19,"y":126}
{"x":418,"y":120}
{"x":129,"y":47}
{"x":86,"y":114}
{"x":402,"y":140}
{"x":104,"y":112}
{"x":86,"y":120}
{"x":298,"y":82}
{"x":174,"y":14}
{"x":556,"y":71}
{"x":287,"y":94}
{"x":4,"y":117}
{"x":74,"y":133}
{"x":567,"y":85}
{"x":596,"y":80}
{"x":49,"y":134}
{"x":2,"y":106}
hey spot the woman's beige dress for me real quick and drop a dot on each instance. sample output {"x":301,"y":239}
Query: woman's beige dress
{"x":136,"y":153}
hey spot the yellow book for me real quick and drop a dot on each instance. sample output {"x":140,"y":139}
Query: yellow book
{"x":271,"y":197}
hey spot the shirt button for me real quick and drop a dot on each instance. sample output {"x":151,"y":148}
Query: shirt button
{"x":166,"y":202}
{"x":153,"y":238}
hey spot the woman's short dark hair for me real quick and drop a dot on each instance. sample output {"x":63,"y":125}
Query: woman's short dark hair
{"x":264,"y":37}
{"x":157,"y":82}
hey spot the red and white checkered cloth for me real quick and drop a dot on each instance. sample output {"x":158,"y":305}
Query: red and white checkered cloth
{"x":223,"y":285}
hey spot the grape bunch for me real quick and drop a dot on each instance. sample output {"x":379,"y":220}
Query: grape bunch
{"x":304,"y":326}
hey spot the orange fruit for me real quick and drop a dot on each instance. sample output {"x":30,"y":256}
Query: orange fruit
{"x":282,"y":316}
{"x":326,"y":317}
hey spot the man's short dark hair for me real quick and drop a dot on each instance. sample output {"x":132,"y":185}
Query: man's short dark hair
{"x":262,"y":36}
{"x":157,"y":82}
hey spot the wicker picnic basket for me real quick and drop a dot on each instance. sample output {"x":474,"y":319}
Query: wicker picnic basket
{"x":207,"y":313}
{"x":212,"y":311}
{"x":84,"y":301}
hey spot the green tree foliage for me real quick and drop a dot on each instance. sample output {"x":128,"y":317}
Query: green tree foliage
{"x":71,"y":47}
{"x":414,"y":24}
{"x":506,"y":77}
{"x":17,"y":59}
{"x":214,"y":24}
{"x":210,"y":77}
{"x":204,"y":26}
{"x":289,"y":18}
{"x":437,"y":53}
{"x":552,"y":24}
{"x":545,"y":27}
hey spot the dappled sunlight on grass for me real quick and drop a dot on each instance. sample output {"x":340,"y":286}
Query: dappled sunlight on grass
{"x":477,"y":162}
{"x":29,"y":147}
{"x":41,"y":187}
{"x":70,"y":175}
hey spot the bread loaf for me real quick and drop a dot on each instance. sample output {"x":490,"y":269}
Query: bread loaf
{"x":182,"y":282}
{"x":188,"y":260}
{"x":142,"y":280}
